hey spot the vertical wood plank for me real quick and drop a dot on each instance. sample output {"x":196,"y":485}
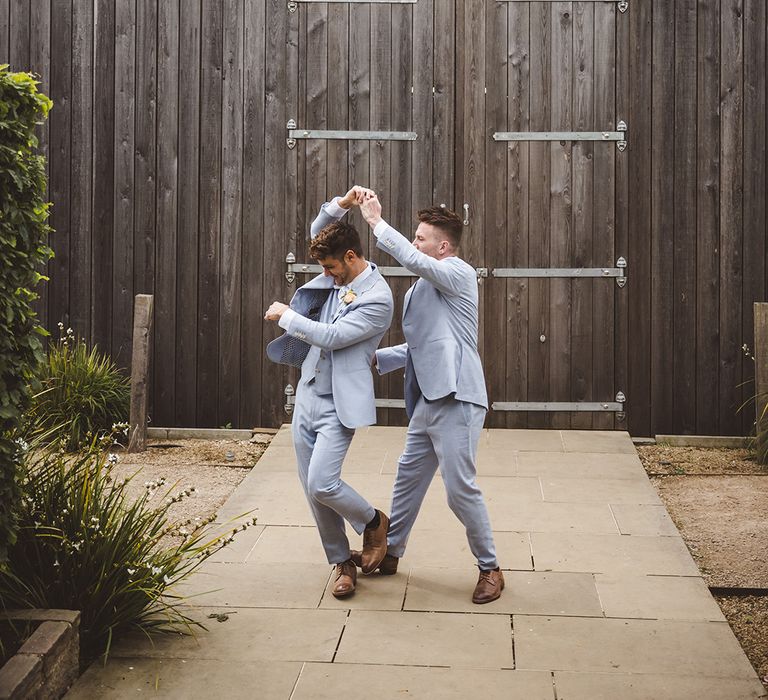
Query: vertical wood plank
{"x":493,"y":292}
{"x":166,"y":210}
{"x":230,"y":310}
{"x":561,"y":234}
{"x":639,"y":226}
{"x":209,"y":250}
{"x":760,"y":324}
{"x":338,"y":98}
{"x":190,"y":37}
{"x":253,"y":214}
{"x":621,"y":212}
{"x":316,"y":73}
{"x":731,"y":212}
{"x":273,"y":253}
{"x":19,"y":36}
{"x":518,"y":192}
{"x":604,"y":195}
{"x":104,"y":197}
{"x":707,"y":218}
{"x":145,"y":176}
{"x":81,"y":167}
{"x":663,"y":302}
{"x":440,"y":112}
{"x":684,"y":365}
{"x":755,"y":184}
{"x":582,"y":350}
{"x":539,"y":212}
{"x":60,"y":158}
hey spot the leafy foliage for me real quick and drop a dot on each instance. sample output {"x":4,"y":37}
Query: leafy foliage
{"x":23,"y":253}
{"x":85,"y":544}
{"x":83,"y":394}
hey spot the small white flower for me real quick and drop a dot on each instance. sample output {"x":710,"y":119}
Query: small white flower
{"x":167,"y":579}
{"x":112,"y":459}
{"x":131,"y":571}
{"x":156,"y":570}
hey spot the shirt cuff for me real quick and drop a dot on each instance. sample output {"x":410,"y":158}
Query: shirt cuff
{"x":285,"y":320}
{"x":380,"y":228}
{"x":334,"y":210}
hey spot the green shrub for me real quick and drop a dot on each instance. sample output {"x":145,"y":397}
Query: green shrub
{"x":23,"y":254}
{"x":83,"y":394}
{"x":83,"y":544}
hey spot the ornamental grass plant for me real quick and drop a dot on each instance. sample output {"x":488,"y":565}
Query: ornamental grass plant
{"x":83,"y":393}
{"x":83,"y":544}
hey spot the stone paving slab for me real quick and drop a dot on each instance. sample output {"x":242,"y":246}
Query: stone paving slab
{"x":657,"y":598}
{"x":249,"y":634}
{"x":628,"y":646}
{"x":611,"y":554}
{"x":648,"y":520}
{"x":334,"y":681}
{"x":533,"y":593}
{"x":553,"y":517}
{"x":521,"y":440}
{"x":427,"y":639}
{"x":580,"y":465}
{"x":254,"y":585}
{"x":182,"y":679}
{"x":372,"y":592}
{"x":277,"y":543}
{"x":613,"y":491}
{"x":613,"y":441}
{"x":604,"y":686}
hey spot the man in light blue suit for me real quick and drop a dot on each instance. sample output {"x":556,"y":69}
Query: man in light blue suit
{"x":445,"y":394}
{"x":333,"y":326}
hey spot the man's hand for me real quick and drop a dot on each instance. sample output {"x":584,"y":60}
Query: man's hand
{"x":355,"y":197}
{"x":275,"y":311}
{"x":371,"y":210}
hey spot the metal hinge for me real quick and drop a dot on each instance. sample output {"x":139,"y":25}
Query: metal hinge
{"x":290,"y":275}
{"x":623,"y":5}
{"x":621,"y":280}
{"x":621,"y":399}
{"x":291,"y":125}
{"x":290,"y":399}
{"x":621,"y":127}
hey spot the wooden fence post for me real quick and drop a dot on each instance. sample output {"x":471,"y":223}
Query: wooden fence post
{"x":761,"y":359}
{"x":142,"y":336}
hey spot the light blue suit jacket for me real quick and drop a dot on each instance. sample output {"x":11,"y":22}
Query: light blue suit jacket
{"x":440,"y":317}
{"x":351,"y":339}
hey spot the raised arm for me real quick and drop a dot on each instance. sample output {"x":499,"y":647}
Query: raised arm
{"x":391,"y":358}
{"x":337,"y":208}
{"x":360,"y":323}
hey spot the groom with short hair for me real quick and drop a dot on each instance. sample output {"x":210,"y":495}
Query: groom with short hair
{"x":445,"y":394}
{"x":333,"y":327}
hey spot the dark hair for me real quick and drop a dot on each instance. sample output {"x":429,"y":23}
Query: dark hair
{"x":334,"y":241}
{"x":449,"y":222}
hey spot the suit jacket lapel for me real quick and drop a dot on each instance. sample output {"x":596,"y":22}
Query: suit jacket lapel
{"x":408,"y":296}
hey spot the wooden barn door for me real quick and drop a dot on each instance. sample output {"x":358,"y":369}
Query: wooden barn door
{"x":370,"y":100}
{"x":542,"y":181}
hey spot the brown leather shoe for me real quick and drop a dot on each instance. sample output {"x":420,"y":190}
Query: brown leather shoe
{"x":346,"y":577}
{"x":489,"y":587}
{"x":387,"y":567}
{"x":375,"y":545}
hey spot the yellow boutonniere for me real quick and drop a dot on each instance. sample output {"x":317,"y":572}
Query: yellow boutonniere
{"x":349,"y":297}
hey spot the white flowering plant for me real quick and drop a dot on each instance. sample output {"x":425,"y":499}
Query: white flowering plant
{"x":85,"y":544}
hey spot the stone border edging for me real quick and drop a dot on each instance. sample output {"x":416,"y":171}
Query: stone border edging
{"x":702,"y":440}
{"x":48,"y":662}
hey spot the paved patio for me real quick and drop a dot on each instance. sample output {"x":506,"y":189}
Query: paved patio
{"x":603,"y":600}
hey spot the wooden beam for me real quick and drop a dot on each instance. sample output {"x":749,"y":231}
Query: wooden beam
{"x":142,"y":337}
{"x":761,"y":360}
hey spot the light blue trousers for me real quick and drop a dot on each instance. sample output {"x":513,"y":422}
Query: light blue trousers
{"x":321,"y":442}
{"x":442,"y":433}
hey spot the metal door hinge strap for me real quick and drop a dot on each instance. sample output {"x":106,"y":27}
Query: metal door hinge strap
{"x":617,"y":272}
{"x":294,"y":134}
{"x":290,"y":399}
{"x":366,"y":2}
{"x":623,"y":5}
{"x":608,"y":406}
{"x":620,"y":135}
{"x":294,"y":268}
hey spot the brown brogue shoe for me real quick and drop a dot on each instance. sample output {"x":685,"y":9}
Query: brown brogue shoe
{"x":489,"y":586}
{"x":346,"y":577}
{"x":387,"y":567}
{"x":374,"y":545}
